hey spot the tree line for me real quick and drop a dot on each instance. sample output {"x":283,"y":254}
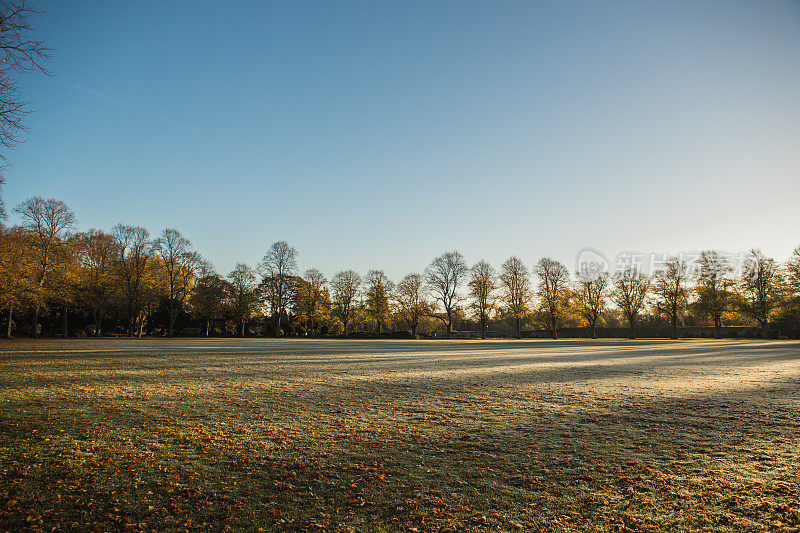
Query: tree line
{"x":55,"y":280}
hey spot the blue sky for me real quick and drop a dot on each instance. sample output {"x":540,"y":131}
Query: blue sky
{"x":378,"y":134}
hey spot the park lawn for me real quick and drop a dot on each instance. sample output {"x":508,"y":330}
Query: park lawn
{"x":355,"y":435}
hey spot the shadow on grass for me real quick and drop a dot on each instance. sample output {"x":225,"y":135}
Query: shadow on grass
{"x":439,"y":443}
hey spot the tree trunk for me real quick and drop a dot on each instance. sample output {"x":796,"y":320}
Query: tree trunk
{"x":593,"y":330}
{"x":94,"y":320}
{"x":633,"y":328}
{"x":173,"y":314}
{"x":483,"y":327}
{"x":764,"y":330}
{"x":8,"y":326}
{"x":207,"y":326}
{"x":414,"y":330}
{"x":66,"y":325}
{"x":555,"y":330}
{"x":242,"y":328}
{"x":35,"y":321}
{"x":517,"y":328}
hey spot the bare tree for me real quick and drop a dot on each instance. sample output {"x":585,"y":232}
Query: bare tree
{"x":20,"y":53}
{"x":443,"y":276}
{"x":592,"y":295}
{"x":277,"y":268}
{"x":553,"y":284}
{"x":793,"y":272}
{"x":378,"y":292}
{"x":47,"y":222}
{"x":482,"y":285}
{"x":312,"y":297}
{"x":412,"y":304}
{"x":97,"y":252}
{"x":208,"y":295}
{"x":344,"y":288}
{"x":672,"y":291}
{"x":515,"y":282}
{"x":179,"y":263}
{"x":244,"y":294}
{"x":630,"y":294}
{"x":760,"y":284}
{"x":714,"y":287}
{"x":134,"y":263}
{"x":64,"y":284}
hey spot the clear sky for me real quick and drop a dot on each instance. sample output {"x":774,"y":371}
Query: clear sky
{"x":380,"y":134}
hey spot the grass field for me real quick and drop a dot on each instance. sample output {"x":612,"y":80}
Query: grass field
{"x":130,"y":435}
